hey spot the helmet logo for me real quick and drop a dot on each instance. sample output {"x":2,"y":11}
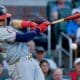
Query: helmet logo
{"x":4,"y":11}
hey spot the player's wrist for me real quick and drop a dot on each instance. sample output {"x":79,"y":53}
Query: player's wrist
{"x":25,"y":24}
{"x":16,"y":23}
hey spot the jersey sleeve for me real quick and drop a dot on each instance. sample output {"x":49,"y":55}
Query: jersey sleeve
{"x":10,"y":35}
{"x":7,"y":34}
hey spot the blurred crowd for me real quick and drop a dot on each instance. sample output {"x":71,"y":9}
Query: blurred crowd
{"x":48,"y":66}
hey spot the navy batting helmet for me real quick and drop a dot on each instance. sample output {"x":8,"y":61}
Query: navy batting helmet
{"x":3,"y":13}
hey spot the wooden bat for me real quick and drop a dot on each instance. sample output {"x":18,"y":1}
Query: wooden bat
{"x":75,"y":16}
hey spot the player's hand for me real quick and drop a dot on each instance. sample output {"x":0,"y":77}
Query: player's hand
{"x":33,"y":25}
{"x":43,"y":26}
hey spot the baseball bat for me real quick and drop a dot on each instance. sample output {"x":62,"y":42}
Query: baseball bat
{"x":75,"y":16}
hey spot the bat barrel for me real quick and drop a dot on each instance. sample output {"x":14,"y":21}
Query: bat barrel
{"x":67,"y":18}
{"x":72,"y":17}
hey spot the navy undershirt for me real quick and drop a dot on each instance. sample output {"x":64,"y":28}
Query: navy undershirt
{"x":25,"y":37}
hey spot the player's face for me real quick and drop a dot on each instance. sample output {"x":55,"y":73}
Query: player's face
{"x":2,"y":23}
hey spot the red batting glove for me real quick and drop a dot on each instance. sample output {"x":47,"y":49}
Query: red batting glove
{"x":33,"y":25}
{"x":43,"y":26}
{"x":26,"y":24}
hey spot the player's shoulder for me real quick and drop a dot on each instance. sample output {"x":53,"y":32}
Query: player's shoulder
{"x":10,"y":29}
{"x":6,"y":30}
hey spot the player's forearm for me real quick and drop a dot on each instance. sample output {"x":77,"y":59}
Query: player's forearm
{"x":21,"y":24}
{"x":13,"y":36}
{"x":27,"y":36}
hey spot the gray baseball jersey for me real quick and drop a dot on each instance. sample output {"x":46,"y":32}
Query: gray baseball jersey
{"x":14,"y":50}
{"x":24,"y":69}
{"x":27,"y":70}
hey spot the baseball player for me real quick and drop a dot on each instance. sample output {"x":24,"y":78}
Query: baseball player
{"x":23,"y":67}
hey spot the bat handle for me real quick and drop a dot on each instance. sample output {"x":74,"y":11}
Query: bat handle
{"x":57,"y":21}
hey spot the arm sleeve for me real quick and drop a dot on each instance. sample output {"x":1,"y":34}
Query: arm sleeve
{"x":26,"y":36}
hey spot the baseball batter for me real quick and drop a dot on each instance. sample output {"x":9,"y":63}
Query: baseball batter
{"x":23,"y":67}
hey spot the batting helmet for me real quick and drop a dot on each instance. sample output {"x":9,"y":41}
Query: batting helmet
{"x":3,"y":13}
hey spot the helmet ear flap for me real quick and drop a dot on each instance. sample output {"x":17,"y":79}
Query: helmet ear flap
{"x":8,"y":21}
